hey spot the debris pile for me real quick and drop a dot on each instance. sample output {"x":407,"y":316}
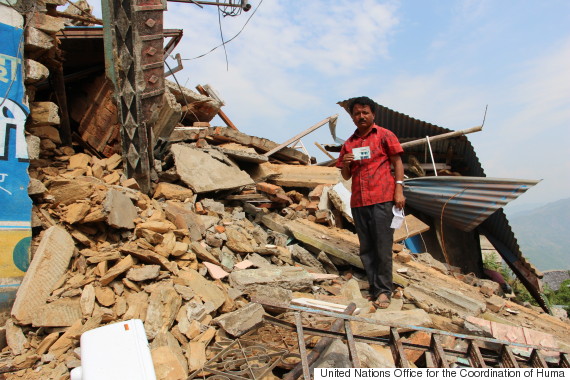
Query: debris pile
{"x":190,"y":259}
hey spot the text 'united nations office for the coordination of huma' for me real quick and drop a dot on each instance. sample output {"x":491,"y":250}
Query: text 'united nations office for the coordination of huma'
{"x":440,"y":373}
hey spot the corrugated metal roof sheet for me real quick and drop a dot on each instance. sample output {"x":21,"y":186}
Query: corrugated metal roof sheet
{"x":496,"y":227}
{"x":464,"y":202}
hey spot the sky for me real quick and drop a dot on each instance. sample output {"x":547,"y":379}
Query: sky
{"x":438,"y":61}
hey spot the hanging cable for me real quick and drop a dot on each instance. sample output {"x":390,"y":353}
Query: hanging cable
{"x":231,"y":39}
{"x":20,"y":49}
{"x":183,"y":96}
{"x":222,"y":37}
{"x":441,"y":222}
{"x":232,"y":9}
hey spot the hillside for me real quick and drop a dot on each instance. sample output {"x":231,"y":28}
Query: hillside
{"x":544,"y":234}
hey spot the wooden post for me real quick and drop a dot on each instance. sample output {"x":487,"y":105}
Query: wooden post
{"x":304,"y":133}
{"x":221,"y":113}
{"x":59,"y":84}
{"x":324,"y":151}
{"x":320,"y":346}
{"x":443,"y":136}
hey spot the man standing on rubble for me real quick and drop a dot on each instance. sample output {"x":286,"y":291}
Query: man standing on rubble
{"x":366,"y":157}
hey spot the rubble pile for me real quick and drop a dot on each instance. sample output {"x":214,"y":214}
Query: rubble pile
{"x":190,"y":259}
{"x":225,"y":232}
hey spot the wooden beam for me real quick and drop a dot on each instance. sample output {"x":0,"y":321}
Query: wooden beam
{"x":59,"y":84}
{"x":537,"y":360}
{"x":324,"y":151}
{"x":438,"y":352}
{"x":339,"y":243}
{"x":443,"y":136}
{"x":221,"y":113}
{"x":295,"y":175}
{"x":304,"y":133}
{"x":398,"y":349}
{"x":508,"y":360}
{"x":414,"y":227}
{"x":429,"y":166}
{"x":475,"y":357}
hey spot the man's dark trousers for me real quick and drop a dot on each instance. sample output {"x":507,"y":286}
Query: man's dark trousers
{"x":376,"y":237}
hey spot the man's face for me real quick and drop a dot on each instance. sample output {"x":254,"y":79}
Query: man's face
{"x":362,"y":117}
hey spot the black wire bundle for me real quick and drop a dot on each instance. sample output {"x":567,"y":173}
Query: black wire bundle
{"x":231,"y":11}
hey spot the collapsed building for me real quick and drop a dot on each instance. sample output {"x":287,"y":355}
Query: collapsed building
{"x":123,"y":202}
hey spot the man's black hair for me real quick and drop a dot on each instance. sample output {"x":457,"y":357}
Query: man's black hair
{"x":363,"y":101}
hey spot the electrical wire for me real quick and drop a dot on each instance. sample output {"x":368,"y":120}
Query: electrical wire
{"x":183,"y":96}
{"x":231,"y":39}
{"x":222,"y":37}
{"x":20,"y":50}
{"x":442,"y":226}
{"x":233,"y":10}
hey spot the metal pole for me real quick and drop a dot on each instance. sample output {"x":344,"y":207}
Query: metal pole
{"x":431,"y":154}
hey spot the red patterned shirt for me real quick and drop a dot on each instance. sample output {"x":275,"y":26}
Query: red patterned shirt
{"x":372,"y":181}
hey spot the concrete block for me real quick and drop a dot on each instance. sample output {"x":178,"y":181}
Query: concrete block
{"x":242,"y":320}
{"x":43,"y":113}
{"x":171,"y":191}
{"x":36,"y":40}
{"x":34,"y":71}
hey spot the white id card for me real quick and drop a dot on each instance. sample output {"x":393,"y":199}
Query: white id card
{"x":361,"y":153}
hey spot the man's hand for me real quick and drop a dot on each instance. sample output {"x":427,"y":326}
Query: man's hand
{"x":346,"y":160}
{"x":399,"y":199}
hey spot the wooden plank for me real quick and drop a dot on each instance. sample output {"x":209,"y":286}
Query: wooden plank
{"x":438,"y":352}
{"x":221,"y":113}
{"x":351,"y":346}
{"x":264,"y":145}
{"x":248,"y":197}
{"x":302,"y":134}
{"x":414,"y":227}
{"x":295,"y":175}
{"x":564,"y":360}
{"x":336,"y":242}
{"x":508,"y":360}
{"x":398,"y":349}
{"x":475,"y":357}
{"x":443,"y":136}
{"x":302,"y":348}
{"x":324,"y":151}
{"x":536,"y":359}
{"x":428,"y":357}
{"x":438,"y":166}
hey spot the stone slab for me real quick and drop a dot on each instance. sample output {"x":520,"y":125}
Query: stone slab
{"x":443,"y":301}
{"x":242,"y":320}
{"x":202,"y":173}
{"x":48,"y":265}
{"x":290,"y":278}
{"x":121,"y":212}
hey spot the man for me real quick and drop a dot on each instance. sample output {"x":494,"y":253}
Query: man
{"x":374,"y":192}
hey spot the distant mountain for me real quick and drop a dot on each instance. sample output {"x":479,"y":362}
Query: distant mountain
{"x":543,"y":234}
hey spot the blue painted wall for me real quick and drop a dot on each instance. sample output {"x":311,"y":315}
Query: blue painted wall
{"x":15,"y":205}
